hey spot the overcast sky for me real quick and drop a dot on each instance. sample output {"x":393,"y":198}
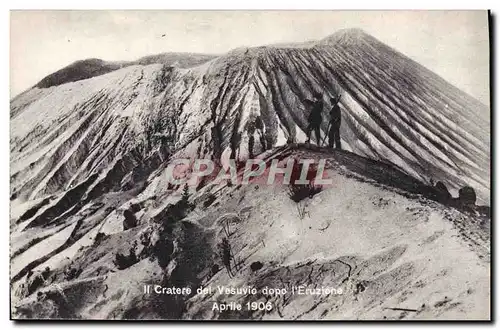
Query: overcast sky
{"x":454,"y":44}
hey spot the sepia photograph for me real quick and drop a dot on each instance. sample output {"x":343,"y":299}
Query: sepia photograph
{"x":306,"y":165}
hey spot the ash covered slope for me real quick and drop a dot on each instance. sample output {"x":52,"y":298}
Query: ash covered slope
{"x":90,"y":202}
{"x":387,"y":249}
{"x":393,"y":110}
{"x":368,"y":234}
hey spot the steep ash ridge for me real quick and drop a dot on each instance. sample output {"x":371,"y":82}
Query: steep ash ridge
{"x":93,"y":217}
{"x":393,"y":110}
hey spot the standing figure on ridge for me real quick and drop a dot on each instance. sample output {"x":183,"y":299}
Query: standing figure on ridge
{"x":335,"y":121}
{"x":235,"y":144}
{"x":315,"y":118}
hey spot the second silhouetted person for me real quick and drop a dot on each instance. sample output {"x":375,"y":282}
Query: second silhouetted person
{"x":315,"y":118}
{"x":335,"y":121}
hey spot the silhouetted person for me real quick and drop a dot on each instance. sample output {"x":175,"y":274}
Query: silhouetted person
{"x":235,"y":141}
{"x":315,"y":118}
{"x":335,"y":121}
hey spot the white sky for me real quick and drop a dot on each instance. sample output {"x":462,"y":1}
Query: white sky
{"x":454,"y":44}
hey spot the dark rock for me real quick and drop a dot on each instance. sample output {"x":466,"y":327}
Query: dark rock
{"x":34,"y":283}
{"x":467,"y":196}
{"x":99,"y":238}
{"x":255,"y":266}
{"x":46,"y":273}
{"x":125,"y":261}
{"x":214,"y":270}
{"x":360,"y":287}
{"x":71,"y":273}
{"x":130,"y":220}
